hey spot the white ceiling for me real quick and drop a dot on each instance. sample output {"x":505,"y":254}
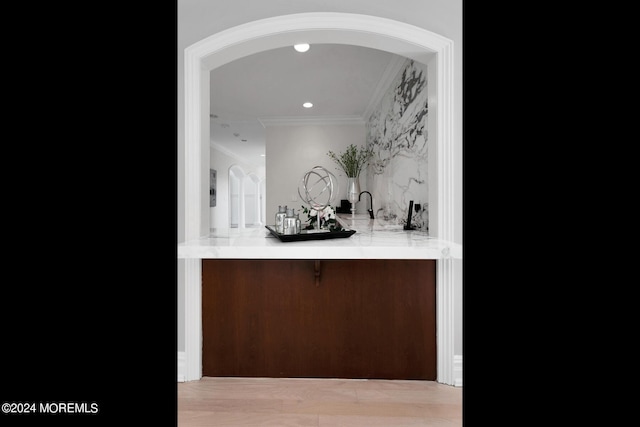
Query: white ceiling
{"x":342,"y":81}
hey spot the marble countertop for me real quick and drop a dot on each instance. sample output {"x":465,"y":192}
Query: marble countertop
{"x":373,"y":240}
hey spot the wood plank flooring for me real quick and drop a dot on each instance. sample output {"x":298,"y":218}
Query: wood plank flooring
{"x":317,"y":402}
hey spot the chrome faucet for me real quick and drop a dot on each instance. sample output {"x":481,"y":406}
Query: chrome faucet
{"x":370,"y":210}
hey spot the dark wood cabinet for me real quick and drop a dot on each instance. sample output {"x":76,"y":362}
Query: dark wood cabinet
{"x":327,"y":318}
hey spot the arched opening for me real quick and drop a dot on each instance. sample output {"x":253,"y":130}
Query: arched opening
{"x":244,"y":199}
{"x":237,"y":179}
{"x":252,"y":201}
{"x":343,"y":28}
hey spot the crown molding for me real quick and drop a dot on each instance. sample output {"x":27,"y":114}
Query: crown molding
{"x":311,"y":120}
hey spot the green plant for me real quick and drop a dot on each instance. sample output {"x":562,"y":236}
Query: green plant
{"x":352,"y":160}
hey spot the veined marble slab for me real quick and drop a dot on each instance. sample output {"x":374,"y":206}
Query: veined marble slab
{"x":258,"y":243}
{"x":398,"y":135}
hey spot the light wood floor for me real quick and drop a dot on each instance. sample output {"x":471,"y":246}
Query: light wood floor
{"x":317,"y":402}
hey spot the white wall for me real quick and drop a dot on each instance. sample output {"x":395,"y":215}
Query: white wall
{"x":198,"y":19}
{"x":293,"y":150}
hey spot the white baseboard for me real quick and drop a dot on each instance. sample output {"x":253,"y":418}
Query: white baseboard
{"x":181,"y":366}
{"x":457,"y":370}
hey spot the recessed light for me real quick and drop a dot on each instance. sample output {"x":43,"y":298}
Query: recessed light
{"x":301,"y":47}
{"x":307,"y":105}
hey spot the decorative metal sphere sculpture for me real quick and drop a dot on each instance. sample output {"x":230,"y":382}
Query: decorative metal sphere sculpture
{"x":318,"y":188}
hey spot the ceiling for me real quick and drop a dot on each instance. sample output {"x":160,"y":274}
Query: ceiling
{"x":342,"y":81}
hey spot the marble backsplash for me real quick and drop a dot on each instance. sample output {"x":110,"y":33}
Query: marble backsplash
{"x":397,"y":134}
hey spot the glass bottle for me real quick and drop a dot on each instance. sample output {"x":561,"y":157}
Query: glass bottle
{"x":290,"y":222}
{"x":280,"y":215}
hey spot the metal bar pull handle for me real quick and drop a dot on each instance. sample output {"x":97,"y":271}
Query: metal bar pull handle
{"x":316,"y":271}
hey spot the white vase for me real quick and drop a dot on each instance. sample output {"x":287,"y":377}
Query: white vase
{"x":353,"y":192}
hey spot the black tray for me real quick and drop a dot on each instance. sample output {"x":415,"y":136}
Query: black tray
{"x":310,"y":236}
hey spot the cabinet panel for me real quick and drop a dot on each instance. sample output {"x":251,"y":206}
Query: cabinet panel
{"x":329,"y":318}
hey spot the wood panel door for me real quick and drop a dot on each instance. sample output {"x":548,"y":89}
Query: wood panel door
{"x":329,"y":318}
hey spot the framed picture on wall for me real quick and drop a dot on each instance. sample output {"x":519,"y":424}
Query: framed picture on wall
{"x":212,"y":188}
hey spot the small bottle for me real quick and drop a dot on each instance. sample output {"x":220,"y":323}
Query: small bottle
{"x":290,"y":222}
{"x":298,"y":224}
{"x":280,"y":215}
